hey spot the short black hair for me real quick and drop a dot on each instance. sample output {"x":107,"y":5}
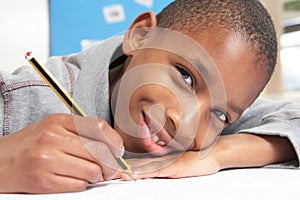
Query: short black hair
{"x":246,"y":17}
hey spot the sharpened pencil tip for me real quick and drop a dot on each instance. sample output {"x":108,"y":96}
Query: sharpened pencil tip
{"x":130,"y":174}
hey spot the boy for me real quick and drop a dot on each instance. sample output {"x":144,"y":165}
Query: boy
{"x":163,"y":96}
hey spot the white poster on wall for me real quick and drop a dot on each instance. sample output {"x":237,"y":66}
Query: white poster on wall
{"x":146,"y":3}
{"x":114,"y":13}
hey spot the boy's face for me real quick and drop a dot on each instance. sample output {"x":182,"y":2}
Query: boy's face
{"x":175,"y":105}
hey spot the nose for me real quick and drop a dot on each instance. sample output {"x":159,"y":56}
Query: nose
{"x":173,"y":119}
{"x":182,"y":126}
{"x":191,"y":125}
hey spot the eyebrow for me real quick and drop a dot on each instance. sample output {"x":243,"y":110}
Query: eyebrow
{"x":200,"y":66}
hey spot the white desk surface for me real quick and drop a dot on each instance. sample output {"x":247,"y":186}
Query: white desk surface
{"x":241,"y":184}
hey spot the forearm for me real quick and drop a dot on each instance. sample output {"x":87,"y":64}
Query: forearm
{"x":231,"y":151}
{"x":248,"y":150}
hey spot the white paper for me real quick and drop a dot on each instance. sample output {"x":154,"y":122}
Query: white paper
{"x":242,"y":184}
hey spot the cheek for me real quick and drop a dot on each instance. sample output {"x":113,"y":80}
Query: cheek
{"x":209,"y":128}
{"x":152,"y":95}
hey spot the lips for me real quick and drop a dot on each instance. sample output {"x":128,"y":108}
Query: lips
{"x":155,"y":138}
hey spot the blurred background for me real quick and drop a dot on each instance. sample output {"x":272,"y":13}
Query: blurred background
{"x":59,"y":27}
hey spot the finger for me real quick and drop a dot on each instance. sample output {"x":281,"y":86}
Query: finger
{"x":58,"y":184}
{"x":172,"y":171}
{"x":117,"y":175}
{"x":68,"y":184}
{"x":94,"y":151}
{"x":92,"y":161}
{"x":77,"y":168}
{"x":82,"y":147}
{"x":103,"y":155}
{"x":63,"y":120}
{"x":100,"y":130}
{"x":187,"y":165}
{"x":166,"y":166}
{"x":154,"y":169}
{"x":89,"y":127}
{"x":111,"y":138}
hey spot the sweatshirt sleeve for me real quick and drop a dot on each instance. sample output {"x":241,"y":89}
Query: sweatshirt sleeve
{"x":270,"y":117}
{"x":26,"y":98}
{"x":1,"y":113}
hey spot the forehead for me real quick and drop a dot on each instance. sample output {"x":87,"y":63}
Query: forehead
{"x":242,"y":76}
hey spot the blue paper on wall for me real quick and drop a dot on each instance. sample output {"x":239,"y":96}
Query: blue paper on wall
{"x":77,"y":23}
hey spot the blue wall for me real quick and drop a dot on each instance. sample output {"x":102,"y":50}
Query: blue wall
{"x":72,"y":21}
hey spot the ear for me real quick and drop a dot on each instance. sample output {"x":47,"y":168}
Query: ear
{"x":138,"y":31}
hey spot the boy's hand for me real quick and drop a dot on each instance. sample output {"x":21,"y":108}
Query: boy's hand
{"x":174,"y":166}
{"x":231,"y":151}
{"x":49,"y":156}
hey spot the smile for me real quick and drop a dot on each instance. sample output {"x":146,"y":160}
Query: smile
{"x":154,"y":138}
{"x":151,"y":137}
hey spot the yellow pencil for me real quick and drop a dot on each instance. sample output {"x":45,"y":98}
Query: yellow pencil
{"x":67,"y":99}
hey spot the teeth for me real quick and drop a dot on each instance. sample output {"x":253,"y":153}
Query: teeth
{"x":151,"y":130}
{"x":157,"y":141}
{"x":161,"y":143}
{"x":155,"y":138}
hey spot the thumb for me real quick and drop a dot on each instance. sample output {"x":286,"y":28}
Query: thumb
{"x":99,"y":130}
{"x":111,"y":138}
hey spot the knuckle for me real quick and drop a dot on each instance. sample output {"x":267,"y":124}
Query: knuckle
{"x":93,"y":171}
{"x":79,"y":186}
{"x":103,"y":125}
{"x":56,"y":118}
{"x":44,"y":184}
{"x":52,"y":118}
{"x":46,"y":136}
{"x":40,"y":158}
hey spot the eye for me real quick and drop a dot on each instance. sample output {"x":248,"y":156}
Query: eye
{"x":221,"y":115}
{"x":187,"y":77}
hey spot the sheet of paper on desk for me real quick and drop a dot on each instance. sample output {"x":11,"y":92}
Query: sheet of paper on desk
{"x":239,"y":184}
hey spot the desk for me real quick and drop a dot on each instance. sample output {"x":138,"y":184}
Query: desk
{"x":240,"y":184}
